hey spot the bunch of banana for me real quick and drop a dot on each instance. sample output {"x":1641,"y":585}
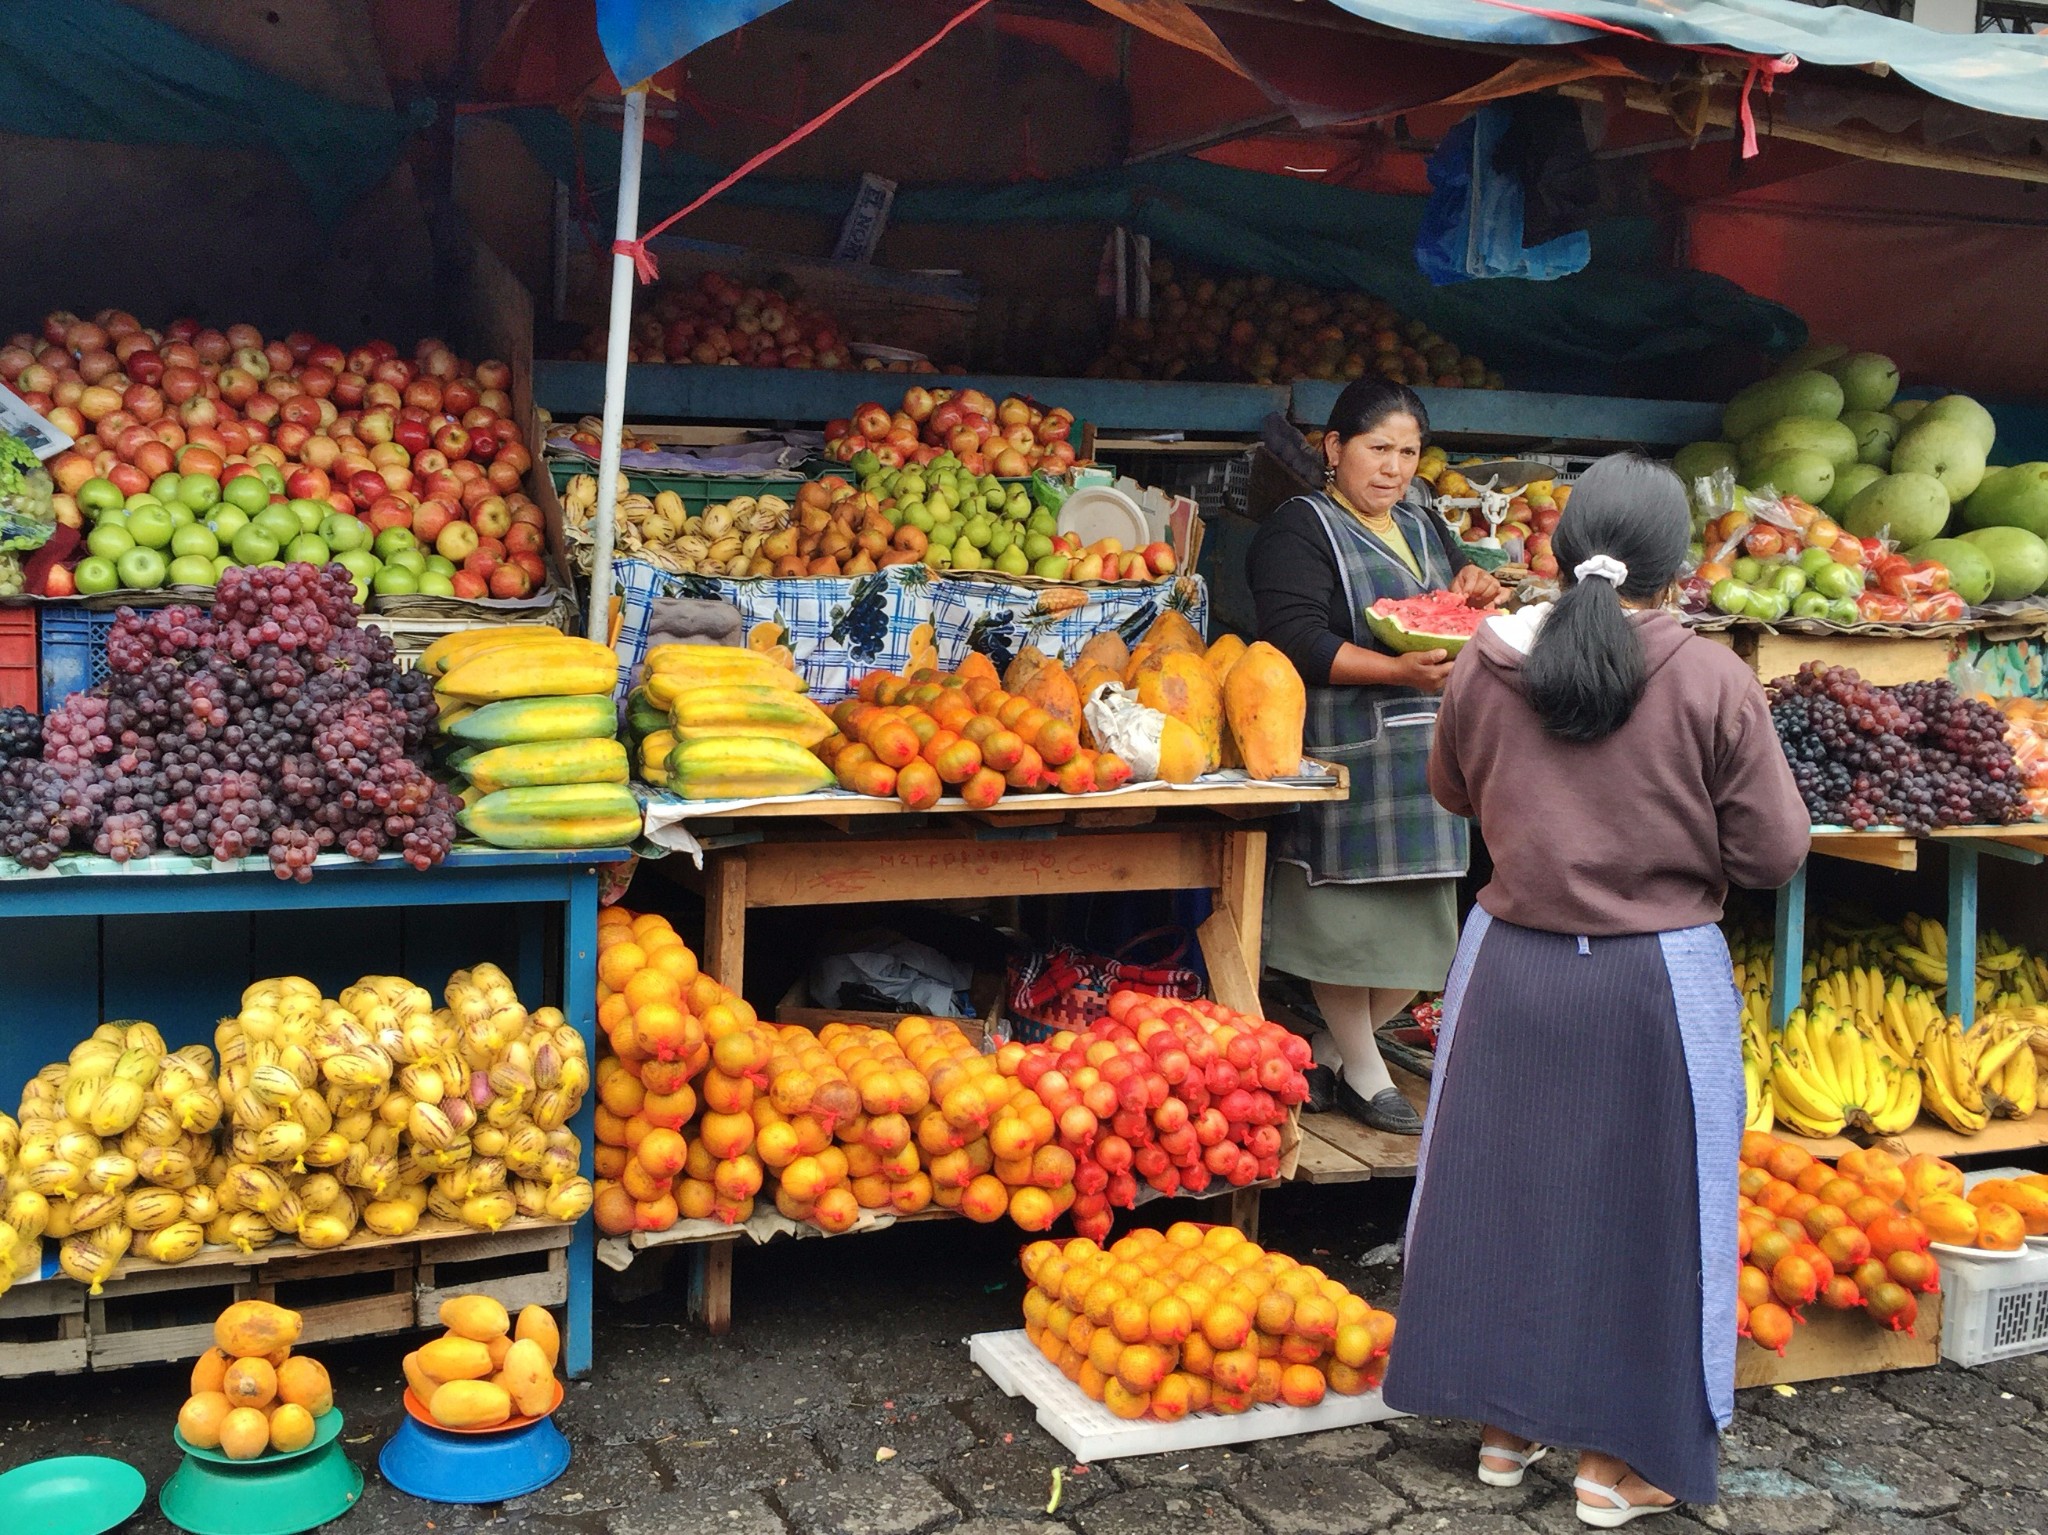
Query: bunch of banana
{"x":1948,"y":1073}
{"x":2003,"y":1062}
{"x":1827,"y":1074}
{"x":1758,"y":1104}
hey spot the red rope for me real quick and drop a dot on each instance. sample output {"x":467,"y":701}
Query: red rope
{"x":1760,"y":65}
{"x":643,"y":259}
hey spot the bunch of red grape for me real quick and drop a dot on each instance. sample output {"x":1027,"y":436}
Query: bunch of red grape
{"x":1920,"y":756}
{"x":274,"y":724}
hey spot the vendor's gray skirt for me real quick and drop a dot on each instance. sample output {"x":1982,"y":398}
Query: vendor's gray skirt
{"x":1398,"y":934}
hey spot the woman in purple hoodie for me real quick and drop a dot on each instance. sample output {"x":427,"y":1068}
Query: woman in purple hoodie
{"x":1571,"y":1257}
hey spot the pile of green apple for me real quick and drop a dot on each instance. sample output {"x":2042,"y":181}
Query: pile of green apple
{"x":1809,"y":584}
{"x":185,"y":529}
{"x":970,"y":522}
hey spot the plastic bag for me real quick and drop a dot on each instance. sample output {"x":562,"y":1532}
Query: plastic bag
{"x":27,"y":515}
{"x":1472,"y":224}
{"x":1126,"y":727}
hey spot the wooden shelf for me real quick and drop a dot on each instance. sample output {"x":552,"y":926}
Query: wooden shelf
{"x":1932,"y":1138}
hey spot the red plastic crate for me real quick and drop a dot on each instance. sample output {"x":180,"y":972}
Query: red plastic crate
{"x":21,"y":679}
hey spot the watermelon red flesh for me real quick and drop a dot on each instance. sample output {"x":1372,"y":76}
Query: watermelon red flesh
{"x":1433,"y":621}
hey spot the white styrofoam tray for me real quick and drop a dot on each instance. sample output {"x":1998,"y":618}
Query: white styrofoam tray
{"x":1092,"y":1432}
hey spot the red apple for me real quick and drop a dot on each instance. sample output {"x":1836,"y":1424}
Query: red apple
{"x":396,"y":476}
{"x":307,"y":483}
{"x":382,"y":396}
{"x":1160,"y":558}
{"x":57,"y":582}
{"x":348,"y":389}
{"x":1011,"y":465}
{"x":280,"y":356}
{"x":524,"y":538}
{"x":262,"y":408}
{"x":469,"y":585}
{"x":491,"y":516}
{"x":1021,"y":438}
{"x":430,"y":517}
{"x":128,"y":479}
{"x":975,"y":462}
{"x":535,"y":567}
{"x":375,"y":426}
{"x":327,"y":357}
{"x":918,"y":403}
{"x":889,"y":456}
{"x":394,"y":371}
{"x":389,"y":512}
{"x":481,"y":562}
{"x":366,"y":486}
{"x":320,"y":452}
{"x":1014,"y":411}
{"x":834,"y":430}
{"x":493,"y":374}
{"x":872,"y":421}
{"x":424,"y":393}
{"x":413,"y":435}
{"x":460,"y":395}
{"x":453,"y":440}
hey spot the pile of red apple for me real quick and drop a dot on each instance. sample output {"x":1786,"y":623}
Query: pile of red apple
{"x":720,"y":320}
{"x":426,"y":443}
{"x":1009,"y":440}
{"x":1173,"y":1094}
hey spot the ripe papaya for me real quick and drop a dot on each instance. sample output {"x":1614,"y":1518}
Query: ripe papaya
{"x":555,"y":816}
{"x":437,"y":656}
{"x":512,"y":721}
{"x":743,"y":710}
{"x":1179,"y":684}
{"x":1023,"y":666}
{"x":562,"y":667}
{"x":533,"y":763}
{"x":470,"y":1404}
{"x":1106,"y":650}
{"x":1052,"y":688}
{"x":1267,"y":706}
{"x":744,"y":767}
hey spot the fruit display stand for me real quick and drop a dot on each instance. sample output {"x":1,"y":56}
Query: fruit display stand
{"x":171,"y":940}
{"x":846,"y":849}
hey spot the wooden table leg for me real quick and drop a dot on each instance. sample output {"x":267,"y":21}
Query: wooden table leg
{"x":725,"y":918}
{"x":718,"y":1286}
{"x":1244,"y":1212}
{"x":1243,"y":893}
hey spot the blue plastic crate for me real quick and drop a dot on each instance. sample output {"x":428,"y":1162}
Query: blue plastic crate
{"x":74,"y":651}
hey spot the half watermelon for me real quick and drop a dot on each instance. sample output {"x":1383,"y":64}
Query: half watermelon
{"x":1433,"y":621}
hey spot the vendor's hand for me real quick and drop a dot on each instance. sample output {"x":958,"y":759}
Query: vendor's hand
{"x":1424,"y":670}
{"x":1476,"y":586}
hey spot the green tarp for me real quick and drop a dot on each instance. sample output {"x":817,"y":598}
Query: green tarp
{"x":1597,"y":331}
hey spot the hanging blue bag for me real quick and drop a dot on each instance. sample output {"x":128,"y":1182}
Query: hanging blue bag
{"x":1472,"y":224}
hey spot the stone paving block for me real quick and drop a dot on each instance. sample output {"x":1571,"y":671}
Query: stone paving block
{"x":1352,"y":1445}
{"x":1767,"y":1501}
{"x":1010,"y":1527}
{"x":1306,"y":1498}
{"x":643,"y":1402}
{"x":1954,"y":1399}
{"x":1834,"y":1415}
{"x":1444,"y":1475}
{"x":597,"y":1482}
{"x":1753,"y":1442}
{"x":723,"y":1460}
{"x":751,"y":1387}
{"x":1158,"y":1510}
{"x":921,"y":1434}
{"x":992,"y":1415}
{"x":1882,"y":1478}
{"x":1442,"y":1523}
{"x":2025,"y":1376}
{"x":2002,"y":1513}
{"x":701,"y":1513}
{"x":1188,"y":1468}
{"x":1015,"y":1479}
{"x":879,"y":1501}
{"x":1991,"y":1457}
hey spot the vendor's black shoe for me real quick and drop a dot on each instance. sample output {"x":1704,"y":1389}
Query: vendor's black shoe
{"x":1322,"y":1090}
{"x":1385,"y":1110}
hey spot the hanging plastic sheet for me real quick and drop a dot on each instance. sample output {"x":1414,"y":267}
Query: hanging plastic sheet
{"x":1472,"y":224}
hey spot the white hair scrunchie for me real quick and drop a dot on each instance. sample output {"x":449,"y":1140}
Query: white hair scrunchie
{"x":1601,"y":567}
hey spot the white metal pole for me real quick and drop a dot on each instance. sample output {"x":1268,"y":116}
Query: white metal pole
{"x":617,"y":350}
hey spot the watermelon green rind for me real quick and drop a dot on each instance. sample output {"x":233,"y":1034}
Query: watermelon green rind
{"x":1391,"y":632}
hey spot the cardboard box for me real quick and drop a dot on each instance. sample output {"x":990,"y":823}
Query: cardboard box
{"x":1833,"y":1344}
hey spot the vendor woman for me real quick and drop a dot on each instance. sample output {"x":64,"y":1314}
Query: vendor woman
{"x":1571,"y":1257}
{"x":1363,"y":899}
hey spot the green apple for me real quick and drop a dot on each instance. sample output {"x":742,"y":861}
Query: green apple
{"x":150,"y":526}
{"x":310,"y":514}
{"x":271,"y":476}
{"x":202,"y":492}
{"x":253,"y":545}
{"x":1768,"y":605}
{"x":194,"y":539}
{"x":181,"y":515}
{"x":117,"y":518}
{"x":141,"y":568}
{"x":109,"y":541}
{"x":222,"y":564}
{"x":359,"y":563}
{"x":394,"y":581}
{"x":1842,"y":610}
{"x":1789,"y":580}
{"x":1837,"y":581}
{"x":192,"y":570}
{"x":391,"y":540}
{"x":1730,"y":595}
{"x":99,"y":494}
{"x":96,"y":574}
{"x":227,"y":521}
{"x":278,"y":523}
{"x":1748,"y":569}
{"x":165,"y":486}
{"x":436,"y":584}
{"x":141,"y":498}
{"x":246,"y":492}
{"x":1814,"y":561}
{"x":307,"y":549}
{"x":439,"y":565}
{"x":1810,"y":605}
{"x":343,"y":532}
{"x":408,"y":559}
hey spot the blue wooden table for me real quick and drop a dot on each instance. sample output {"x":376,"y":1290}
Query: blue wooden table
{"x":176,"y":941}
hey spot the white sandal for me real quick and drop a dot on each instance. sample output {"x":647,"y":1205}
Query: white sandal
{"x":1523,"y":1459}
{"x":1622,"y":1511}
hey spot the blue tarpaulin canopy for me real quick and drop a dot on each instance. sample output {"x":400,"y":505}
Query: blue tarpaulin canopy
{"x":643,"y":36}
{"x":1994,"y":72}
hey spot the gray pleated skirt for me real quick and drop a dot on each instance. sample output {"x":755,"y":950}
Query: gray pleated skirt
{"x":1552,"y":1285}
{"x":1400,"y":934}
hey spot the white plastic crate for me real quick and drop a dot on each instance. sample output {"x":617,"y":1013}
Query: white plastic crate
{"x":1994,"y":1309}
{"x":1092,"y":1432}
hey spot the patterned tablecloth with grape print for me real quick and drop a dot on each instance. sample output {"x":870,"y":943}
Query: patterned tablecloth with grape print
{"x":838,"y":629}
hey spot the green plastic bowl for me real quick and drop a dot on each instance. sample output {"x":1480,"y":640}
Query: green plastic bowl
{"x":70,"y":1495}
{"x":285,"y":1496}
{"x":326,"y":1429}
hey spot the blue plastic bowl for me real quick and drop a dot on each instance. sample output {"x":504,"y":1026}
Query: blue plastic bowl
{"x":473,"y":1468}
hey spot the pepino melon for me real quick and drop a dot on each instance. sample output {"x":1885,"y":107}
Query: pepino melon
{"x":1434,"y":621}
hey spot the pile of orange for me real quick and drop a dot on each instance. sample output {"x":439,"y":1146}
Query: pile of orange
{"x":1193,"y":1318}
{"x":1843,"y":1234}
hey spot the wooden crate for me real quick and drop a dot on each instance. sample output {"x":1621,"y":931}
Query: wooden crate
{"x":42,"y":1329}
{"x":161,"y":1313}
{"x":1885,"y":659}
{"x":1838,"y":1343}
{"x":341,"y":1293}
{"x":987,"y":992}
{"x":515,"y":1268}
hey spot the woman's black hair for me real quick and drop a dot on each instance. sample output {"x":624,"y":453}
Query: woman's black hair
{"x":1585,"y":670}
{"x":1368,"y":401}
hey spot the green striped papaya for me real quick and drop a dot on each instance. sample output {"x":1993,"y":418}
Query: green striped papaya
{"x":529,"y":764}
{"x":555,"y":816}
{"x":745,"y":767}
{"x":513,"y":720}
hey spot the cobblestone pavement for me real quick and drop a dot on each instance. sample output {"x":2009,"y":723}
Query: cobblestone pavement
{"x":843,"y":1403}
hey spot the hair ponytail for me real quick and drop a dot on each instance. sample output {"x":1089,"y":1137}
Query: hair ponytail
{"x":1585,"y":671}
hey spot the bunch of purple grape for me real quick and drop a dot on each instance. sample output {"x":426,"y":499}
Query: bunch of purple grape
{"x":1920,"y":756}
{"x":274,"y":724}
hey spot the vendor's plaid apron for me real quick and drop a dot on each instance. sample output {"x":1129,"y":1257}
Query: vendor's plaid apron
{"x":1390,"y":828}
